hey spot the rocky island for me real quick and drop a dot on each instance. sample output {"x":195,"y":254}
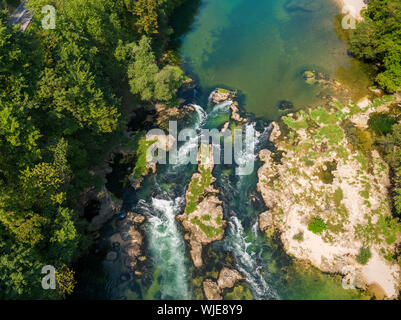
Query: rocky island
{"x":327,"y":193}
{"x":203,"y":215}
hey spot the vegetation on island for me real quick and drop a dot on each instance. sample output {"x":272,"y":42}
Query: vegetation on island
{"x":377,"y":40}
{"x":317,"y":226}
{"x":316,"y":136}
{"x":62,"y":109}
{"x":196,"y":188}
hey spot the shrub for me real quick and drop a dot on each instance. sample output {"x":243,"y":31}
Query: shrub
{"x":363,"y":256}
{"x":299,"y":236}
{"x":317,"y":226}
{"x":381,"y":124}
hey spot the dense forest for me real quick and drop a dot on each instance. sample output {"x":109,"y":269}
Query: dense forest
{"x":60,"y":108}
{"x":377,"y":40}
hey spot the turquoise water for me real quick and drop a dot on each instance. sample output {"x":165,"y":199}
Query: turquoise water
{"x":261,"y":48}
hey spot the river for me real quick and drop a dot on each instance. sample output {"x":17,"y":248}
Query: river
{"x":260,"y":48}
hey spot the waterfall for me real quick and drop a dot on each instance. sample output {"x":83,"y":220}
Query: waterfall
{"x":167,"y":246}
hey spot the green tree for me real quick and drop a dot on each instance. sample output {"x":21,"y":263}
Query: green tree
{"x":377,"y":40}
{"x":147,"y":80}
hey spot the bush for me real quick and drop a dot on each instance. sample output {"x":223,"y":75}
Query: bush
{"x":381,"y":124}
{"x":299,"y":236}
{"x":363,"y":256}
{"x":317,"y":226}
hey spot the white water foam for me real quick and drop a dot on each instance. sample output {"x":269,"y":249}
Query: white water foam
{"x":167,"y":246}
{"x":246,"y":262}
{"x":220,"y":108}
{"x":202,"y":115}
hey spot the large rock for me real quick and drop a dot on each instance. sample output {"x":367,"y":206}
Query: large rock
{"x":203,"y":215}
{"x":235,"y":113}
{"x":348,"y":206}
{"x":228,"y":278}
{"x":221,"y":95}
{"x":212,"y":290}
{"x":275,"y":134}
{"x":265,"y":220}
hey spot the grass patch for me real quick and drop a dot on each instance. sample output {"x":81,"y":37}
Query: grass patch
{"x":322,"y":116}
{"x":140,"y":165}
{"x":326,"y":175}
{"x":338,"y":197}
{"x":197,"y":188}
{"x":363,"y":256}
{"x":211,"y":232}
{"x":334,"y":134}
{"x":295,"y":124}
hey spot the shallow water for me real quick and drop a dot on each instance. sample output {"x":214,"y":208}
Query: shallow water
{"x":261,"y":49}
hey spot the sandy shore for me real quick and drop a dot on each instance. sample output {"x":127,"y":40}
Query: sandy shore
{"x":356,"y":5}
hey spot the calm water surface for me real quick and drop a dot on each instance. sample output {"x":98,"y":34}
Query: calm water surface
{"x":261,"y":48}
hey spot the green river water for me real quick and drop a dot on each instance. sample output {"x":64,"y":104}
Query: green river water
{"x":260,"y":48}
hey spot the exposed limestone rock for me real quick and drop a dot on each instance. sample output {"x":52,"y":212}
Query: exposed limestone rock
{"x":225,"y":127}
{"x":221,"y":95}
{"x":275,"y":134}
{"x":203,"y":215}
{"x":265,"y":220}
{"x":228,"y":278}
{"x":211,"y":289}
{"x":235,"y":113}
{"x":161,"y":142}
{"x":139,"y":218}
{"x":321,"y":177}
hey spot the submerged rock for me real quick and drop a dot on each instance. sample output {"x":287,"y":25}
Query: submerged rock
{"x":285,"y":105}
{"x":112,"y":256}
{"x":302,"y":5}
{"x":109,"y":207}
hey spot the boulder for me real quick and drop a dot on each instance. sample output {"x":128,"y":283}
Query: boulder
{"x":228,"y":278}
{"x":212,"y":290}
